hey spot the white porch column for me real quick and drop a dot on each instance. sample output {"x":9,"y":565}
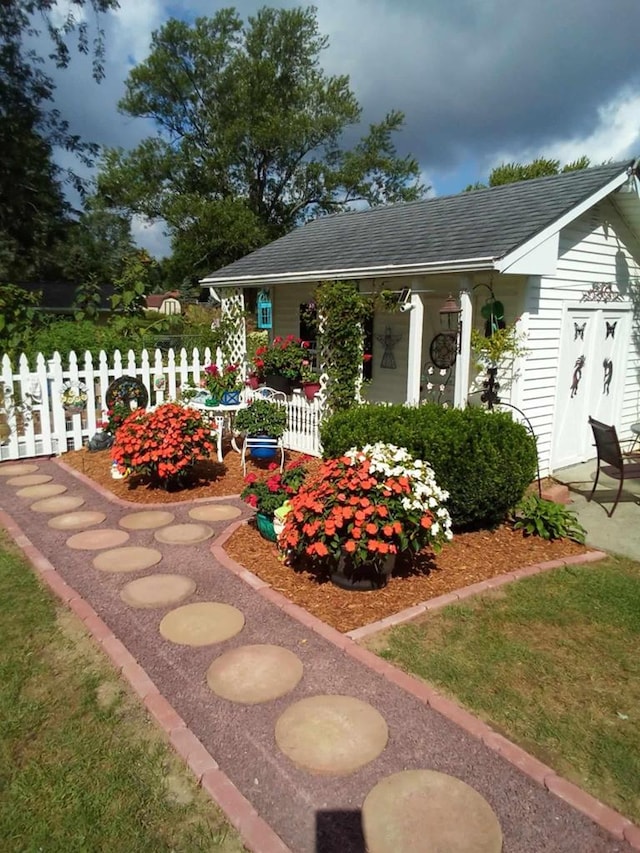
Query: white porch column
{"x":463,"y":362}
{"x":414,"y":360}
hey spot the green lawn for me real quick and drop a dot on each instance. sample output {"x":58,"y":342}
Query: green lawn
{"x":553,"y":662}
{"x":81,"y":766}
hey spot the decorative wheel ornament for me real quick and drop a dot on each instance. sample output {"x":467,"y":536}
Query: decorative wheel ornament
{"x":127,"y":391}
{"x":444,"y":350}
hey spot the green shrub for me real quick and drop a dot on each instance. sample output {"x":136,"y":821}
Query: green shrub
{"x":483,"y":459}
{"x":538,"y":517}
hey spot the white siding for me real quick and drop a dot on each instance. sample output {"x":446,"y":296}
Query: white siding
{"x":594,"y":248}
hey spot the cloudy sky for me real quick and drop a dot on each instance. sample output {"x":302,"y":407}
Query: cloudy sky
{"x":481,"y":82}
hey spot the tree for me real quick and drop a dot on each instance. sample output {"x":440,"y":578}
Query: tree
{"x":248,"y":143}
{"x":33,"y":213}
{"x":511,"y":173}
{"x":97,"y":245}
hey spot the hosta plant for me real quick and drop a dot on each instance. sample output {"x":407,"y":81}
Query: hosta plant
{"x":364,"y":506}
{"x":163,"y":444}
{"x":538,"y":517}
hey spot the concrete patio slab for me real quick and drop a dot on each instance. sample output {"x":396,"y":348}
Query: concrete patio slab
{"x":253,"y":674}
{"x":202,"y":624}
{"x":76,"y":520}
{"x":146,"y":520}
{"x":57,"y":504}
{"x":425,"y":810}
{"x":14,"y":469}
{"x":619,"y":534}
{"x":157,"y":591}
{"x":95,"y":540}
{"x":331,"y":735}
{"x":131,"y":558}
{"x":215,"y":512}
{"x":30,"y":480}
{"x":46,"y":490}
{"x":184,"y":534}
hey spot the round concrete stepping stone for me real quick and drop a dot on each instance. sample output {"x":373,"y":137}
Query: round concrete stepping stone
{"x":430,"y":811}
{"x":215,"y":512}
{"x":96,"y":540}
{"x":253,"y":674}
{"x":29,"y":480}
{"x":76,"y":520}
{"x":184,"y":534}
{"x":15,"y":469}
{"x":61,"y":503}
{"x":332,"y":735}
{"x":202,"y":624}
{"x":147,"y":520}
{"x":157,"y":590}
{"x":46,"y":490}
{"x":133,"y":558}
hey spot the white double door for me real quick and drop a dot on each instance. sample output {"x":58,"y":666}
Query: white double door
{"x":591,"y":372}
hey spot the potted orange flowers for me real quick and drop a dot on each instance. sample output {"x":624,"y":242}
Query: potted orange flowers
{"x":363,"y":511}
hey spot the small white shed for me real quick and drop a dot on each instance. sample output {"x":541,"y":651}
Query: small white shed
{"x":562,"y":255}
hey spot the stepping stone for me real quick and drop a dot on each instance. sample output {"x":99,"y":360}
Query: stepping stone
{"x":133,"y":558}
{"x":29,"y":480}
{"x":76,"y":520}
{"x":147,"y":520}
{"x":95,"y":540}
{"x":62,"y":503}
{"x":215,"y":512}
{"x":15,"y":469}
{"x":184,"y":534}
{"x":202,"y":624}
{"x":426,"y":810}
{"x":253,"y":674}
{"x":157,"y":590}
{"x":47,"y":490}
{"x":331,"y":735}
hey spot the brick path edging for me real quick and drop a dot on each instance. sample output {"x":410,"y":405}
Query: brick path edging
{"x":606,"y":817}
{"x":473,"y":589}
{"x":255,"y":833}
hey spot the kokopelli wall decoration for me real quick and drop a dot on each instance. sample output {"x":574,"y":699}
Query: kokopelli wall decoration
{"x":577,"y":375}
{"x":607,"y":368}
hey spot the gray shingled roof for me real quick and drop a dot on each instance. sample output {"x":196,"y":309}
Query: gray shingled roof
{"x":481,"y":224}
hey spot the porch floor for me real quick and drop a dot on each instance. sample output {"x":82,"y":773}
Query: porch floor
{"x":619,"y":534}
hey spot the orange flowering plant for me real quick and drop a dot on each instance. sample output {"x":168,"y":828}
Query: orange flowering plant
{"x":365,"y":506}
{"x":163,"y":444}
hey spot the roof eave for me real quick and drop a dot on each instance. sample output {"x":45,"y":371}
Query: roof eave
{"x":511,"y":257}
{"x":388,"y":271}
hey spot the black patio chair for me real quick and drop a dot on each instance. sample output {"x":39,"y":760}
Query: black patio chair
{"x":609,"y":452}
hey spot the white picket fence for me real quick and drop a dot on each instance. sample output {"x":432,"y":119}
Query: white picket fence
{"x":34,"y":422}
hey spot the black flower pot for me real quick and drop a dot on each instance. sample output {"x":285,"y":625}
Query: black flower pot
{"x":365,"y":577}
{"x":279,"y":383}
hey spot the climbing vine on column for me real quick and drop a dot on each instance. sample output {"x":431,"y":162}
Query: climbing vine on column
{"x":341,"y":311}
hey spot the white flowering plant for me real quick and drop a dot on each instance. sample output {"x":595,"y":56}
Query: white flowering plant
{"x":74,"y":395}
{"x":366,"y":505}
{"x":434,"y":384}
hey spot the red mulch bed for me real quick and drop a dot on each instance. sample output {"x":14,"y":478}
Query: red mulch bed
{"x":469,"y":558}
